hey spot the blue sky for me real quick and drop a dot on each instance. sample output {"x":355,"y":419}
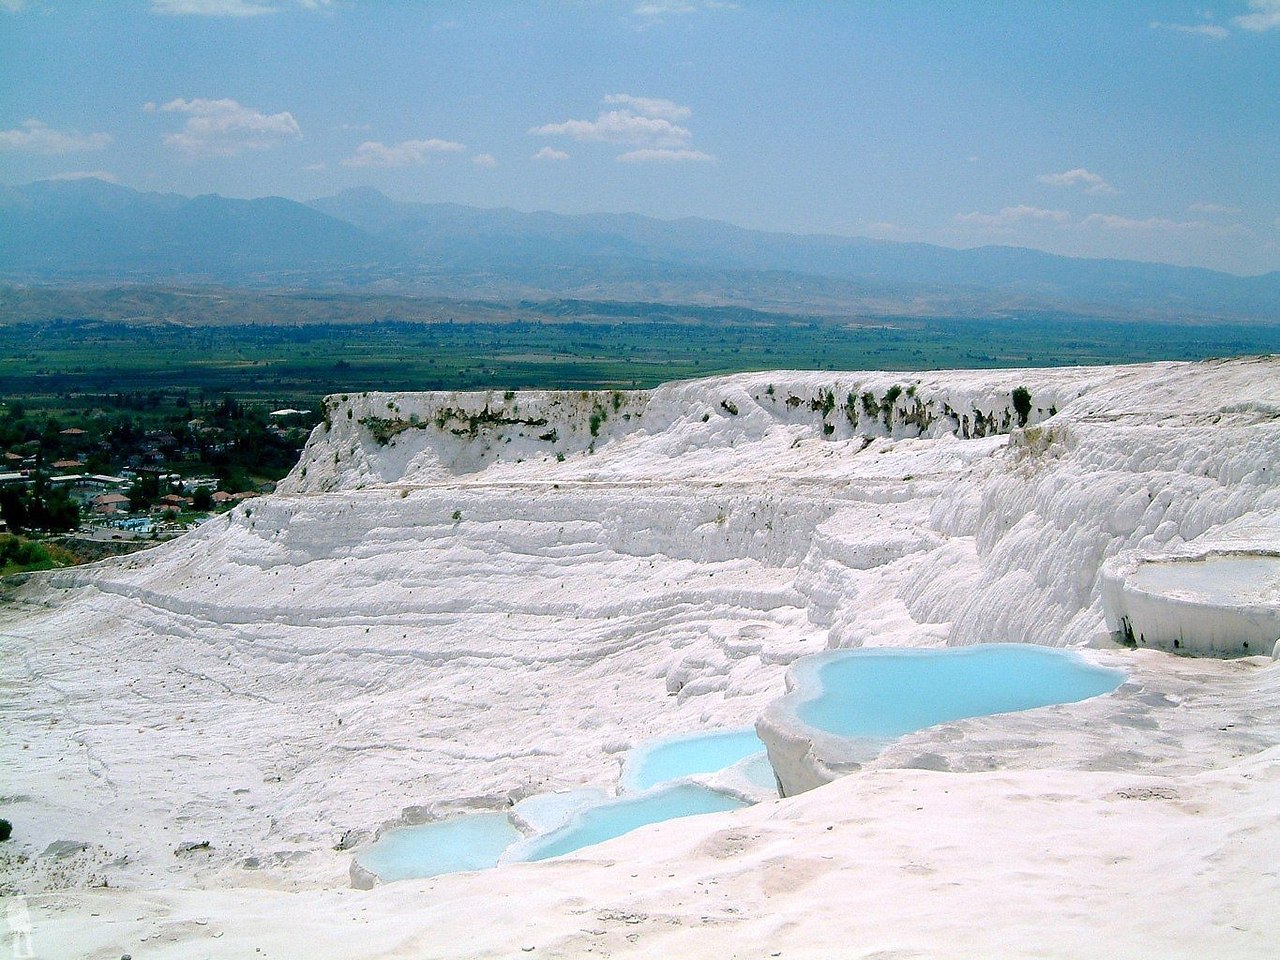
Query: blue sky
{"x":1143,"y":130}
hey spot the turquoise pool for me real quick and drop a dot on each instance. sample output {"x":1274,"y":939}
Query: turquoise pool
{"x":616,"y":817}
{"x":471,"y":842}
{"x":882,"y":693}
{"x":678,"y":757}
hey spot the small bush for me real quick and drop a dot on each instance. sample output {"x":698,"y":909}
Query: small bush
{"x":1022,"y":404}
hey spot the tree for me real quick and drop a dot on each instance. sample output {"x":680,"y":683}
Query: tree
{"x":1022,"y":404}
{"x":139,"y":497}
{"x":202,"y":498}
{"x":13,"y":508}
{"x":59,"y":511}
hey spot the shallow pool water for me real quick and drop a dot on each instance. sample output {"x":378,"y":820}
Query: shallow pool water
{"x":1224,"y":579}
{"x":546,"y":811}
{"x":616,"y":817}
{"x":678,"y":757}
{"x":890,"y":692}
{"x":471,"y":842}
{"x":759,"y":772}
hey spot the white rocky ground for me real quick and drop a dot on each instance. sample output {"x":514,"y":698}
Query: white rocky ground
{"x":456,"y":601}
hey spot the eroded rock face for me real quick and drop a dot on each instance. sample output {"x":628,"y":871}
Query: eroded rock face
{"x":444,"y":620}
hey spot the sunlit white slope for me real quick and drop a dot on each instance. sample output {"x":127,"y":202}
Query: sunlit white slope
{"x":458,"y":600}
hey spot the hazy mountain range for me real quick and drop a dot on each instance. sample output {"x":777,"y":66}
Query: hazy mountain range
{"x":90,"y":232}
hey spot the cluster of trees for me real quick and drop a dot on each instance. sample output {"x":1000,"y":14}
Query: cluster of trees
{"x":233,"y":441}
{"x":39,"y":508}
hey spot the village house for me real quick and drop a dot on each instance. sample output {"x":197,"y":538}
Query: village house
{"x":110,"y":504}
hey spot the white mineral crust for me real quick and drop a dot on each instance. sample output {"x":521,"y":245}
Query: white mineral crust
{"x":458,"y":601}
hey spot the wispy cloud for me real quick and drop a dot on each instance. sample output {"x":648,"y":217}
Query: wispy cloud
{"x":550,"y":153}
{"x":211,"y":8}
{"x":619,"y":126}
{"x":1013,"y":216}
{"x":662,"y":9}
{"x":228,"y":8}
{"x":1110,"y":221}
{"x":650,"y":106}
{"x":35,"y":136}
{"x":408,"y":153}
{"x":1265,"y":16}
{"x":85,"y":175}
{"x":1079,"y":177}
{"x":650,"y":155}
{"x":225,"y":128}
{"x":883,"y":229}
{"x":1212,"y":208}
{"x":485,"y":160}
{"x":1212,"y":30}
{"x":1015,"y":220}
{"x":12,"y":6}
{"x":647,"y":124}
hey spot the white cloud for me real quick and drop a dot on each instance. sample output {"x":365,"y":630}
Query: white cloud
{"x":619,"y":126}
{"x":12,"y":6}
{"x":225,"y":128}
{"x":314,"y":167}
{"x":485,"y":160}
{"x":408,"y":153}
{"x":227,"y":8}
{"x":550,"y":153}
{"x":35,"y":136}
{"x":1212,"y":208}
{"x":1265,"y":16}
{"x":85,"y":175}
{"x":1013,"y":216}
{"x":1110,"y":221}
{"x":650,"y":155}
{"x":1182,"y":230}
{"x":1079,"y":177}
{"x":647,"y":124}
{"x":661,"y":9}
{"x":650,"y":106}
{"x":1211,"y":30}
{"x":211,"y":8}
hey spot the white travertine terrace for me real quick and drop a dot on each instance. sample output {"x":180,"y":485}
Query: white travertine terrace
{"x":1212,"y":604}
{"x":458,"y":601}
